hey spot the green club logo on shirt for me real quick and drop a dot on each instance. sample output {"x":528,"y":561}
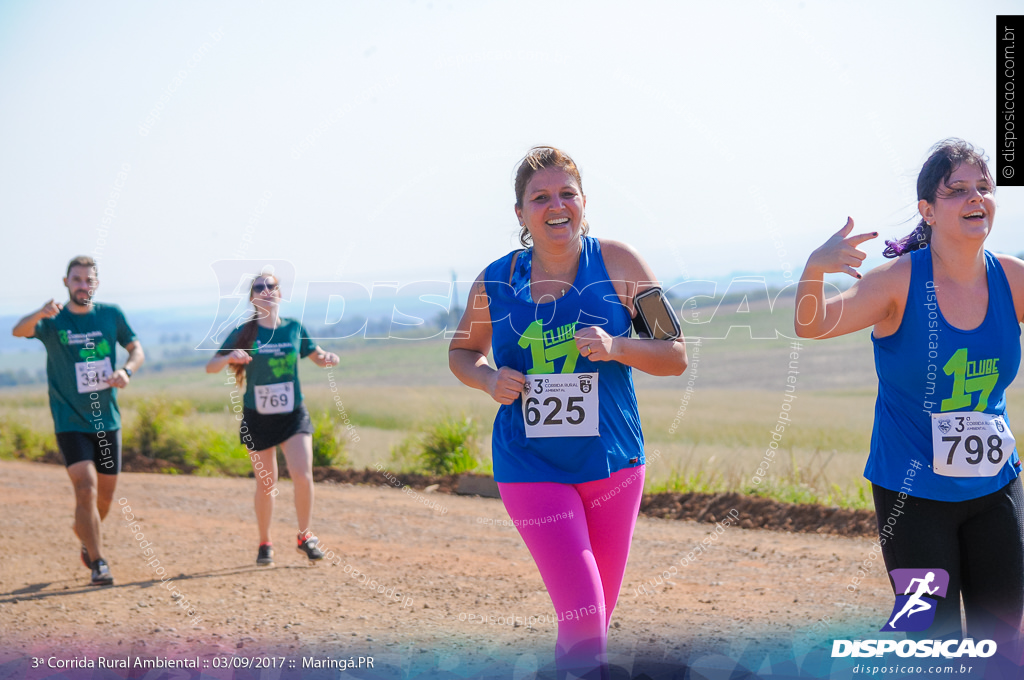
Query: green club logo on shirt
{"x":97,"y":351}
{"x":283,"y":366}
{"x":546,"y":346}
{"x":63,"y":335}
{"x":970,"y":377}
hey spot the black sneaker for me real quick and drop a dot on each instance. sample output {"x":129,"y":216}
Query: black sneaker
{"x":85,"y":557}
{"x":265,"y":557}
{"x":308,"y":546}
{"x":101,"y":573}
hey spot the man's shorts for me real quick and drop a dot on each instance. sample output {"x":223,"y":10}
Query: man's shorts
{"x":104,"y":450}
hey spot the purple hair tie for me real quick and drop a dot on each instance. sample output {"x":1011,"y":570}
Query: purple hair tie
{"x":897,"y":247}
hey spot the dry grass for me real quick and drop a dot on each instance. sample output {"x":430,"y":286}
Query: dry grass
{"x":715,"y":443}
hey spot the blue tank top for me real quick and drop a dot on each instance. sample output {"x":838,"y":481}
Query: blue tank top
{"x":538,"y":339}
{"x":927,"y":367}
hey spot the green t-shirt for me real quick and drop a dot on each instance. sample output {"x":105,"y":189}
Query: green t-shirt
{"x":80,"y":355}
{"x":275,"y":355}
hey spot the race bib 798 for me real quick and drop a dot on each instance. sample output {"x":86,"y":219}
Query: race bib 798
{"x":970,"y":444}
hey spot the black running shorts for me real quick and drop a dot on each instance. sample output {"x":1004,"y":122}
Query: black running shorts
{"x":268,"y":431}
{"x":103,"y":449}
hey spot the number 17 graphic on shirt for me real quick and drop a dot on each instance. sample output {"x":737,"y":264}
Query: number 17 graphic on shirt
{"x":545,"y":347}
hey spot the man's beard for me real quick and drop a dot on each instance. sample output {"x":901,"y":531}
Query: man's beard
{"x":83,"y":298}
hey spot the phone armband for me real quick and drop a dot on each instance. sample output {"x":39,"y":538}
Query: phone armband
{"x":655,"y":317}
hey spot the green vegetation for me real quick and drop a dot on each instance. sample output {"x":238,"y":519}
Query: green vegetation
{"x":169,"y":430}
{"x":716,"y":446}
{"x":446,"y":446}
{"x":451,"y":445}
{"x":399,"y":397}
{"x":18,"y":440}
{"x":788,"y":481}
{"x":329,"y":439}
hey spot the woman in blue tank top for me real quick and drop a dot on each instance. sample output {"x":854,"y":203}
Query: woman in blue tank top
{"x":943,"y":462}
{"x":567,"y":446}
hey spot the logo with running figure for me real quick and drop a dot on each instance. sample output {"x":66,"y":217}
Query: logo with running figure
{"x":914,"y":610}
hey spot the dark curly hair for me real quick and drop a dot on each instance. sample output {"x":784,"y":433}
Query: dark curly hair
{"x":944,"y":159}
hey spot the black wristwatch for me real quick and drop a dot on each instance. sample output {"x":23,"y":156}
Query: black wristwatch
{"x":128,"y":371}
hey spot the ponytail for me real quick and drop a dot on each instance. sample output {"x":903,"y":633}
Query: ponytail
{"x":246,"y":337}
{"x":918,"y":239}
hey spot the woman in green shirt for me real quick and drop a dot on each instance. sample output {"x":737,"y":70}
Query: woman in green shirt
{"x":263,"y":353}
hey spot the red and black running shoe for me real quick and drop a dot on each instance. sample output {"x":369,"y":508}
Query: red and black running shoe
{"x":308,"y":546}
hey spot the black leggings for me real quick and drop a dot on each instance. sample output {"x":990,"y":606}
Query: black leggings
{"x":980,"y":542}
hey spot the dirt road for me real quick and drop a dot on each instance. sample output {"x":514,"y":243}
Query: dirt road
{"x":458,"y":591}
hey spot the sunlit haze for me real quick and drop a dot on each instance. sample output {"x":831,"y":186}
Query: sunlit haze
{"x":377,"y":141}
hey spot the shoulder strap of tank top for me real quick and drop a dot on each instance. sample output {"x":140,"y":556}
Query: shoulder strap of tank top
{"x":592,"y":262}
{"x":999,"y":286}
{"x":522,"y":268}
{"x":496,"y":273}
{"x":921,"y":273}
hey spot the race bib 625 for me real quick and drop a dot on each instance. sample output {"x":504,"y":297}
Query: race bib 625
{"x":561,"y":405}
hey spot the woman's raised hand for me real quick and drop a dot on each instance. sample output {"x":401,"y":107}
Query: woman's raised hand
{"x":840,"y":253}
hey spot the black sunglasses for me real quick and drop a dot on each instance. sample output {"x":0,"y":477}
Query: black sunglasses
{"x":260,"y":287}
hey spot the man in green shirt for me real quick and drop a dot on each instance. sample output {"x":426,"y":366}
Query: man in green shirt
{"x":80,"y":339}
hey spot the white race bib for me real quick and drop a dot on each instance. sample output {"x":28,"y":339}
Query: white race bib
{"x":561,"y":405}
{"x":970,"y":444}
{"x":275,"y":398}
{"x":91,"y":375}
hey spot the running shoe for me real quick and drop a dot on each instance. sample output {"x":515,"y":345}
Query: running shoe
{"x":265,"y":557}
{"x":101,"y":573}
{"x":308,"y":546}
{"x":85,"y":557}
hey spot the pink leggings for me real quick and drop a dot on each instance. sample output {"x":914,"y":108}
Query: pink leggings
{"x":581,"y":557}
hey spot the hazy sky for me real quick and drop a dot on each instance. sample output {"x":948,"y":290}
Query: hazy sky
{"x":378,"y":140}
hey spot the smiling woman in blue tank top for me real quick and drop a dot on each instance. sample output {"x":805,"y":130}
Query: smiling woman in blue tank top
{"x":943,"y":462}
{"x":567,"y":446}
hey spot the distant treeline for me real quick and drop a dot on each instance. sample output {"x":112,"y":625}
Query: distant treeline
{"x":385,"y":327}
{"x":22,"y":377}
{"x":749,"y":291}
